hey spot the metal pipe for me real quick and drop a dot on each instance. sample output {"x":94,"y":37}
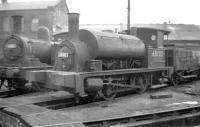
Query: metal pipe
{"x":4,"y":1}
{"x":128,"y":17}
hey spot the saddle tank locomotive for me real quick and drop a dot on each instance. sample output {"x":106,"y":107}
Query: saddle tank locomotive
{"x":21,"y":54}
{"x":100,"y":63}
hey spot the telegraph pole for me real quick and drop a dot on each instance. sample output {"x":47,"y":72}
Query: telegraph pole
{"x":128,"y":17}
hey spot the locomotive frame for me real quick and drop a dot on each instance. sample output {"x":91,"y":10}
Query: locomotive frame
{"x":89,"y":83}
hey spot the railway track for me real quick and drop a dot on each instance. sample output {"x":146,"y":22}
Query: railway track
{"x":66,"y":102}
{"x":12,"y":93}
{"x":57,"y":104}
{"x":5,"y":93}
{"x":57,"y":108}
{"x":182,"y":117}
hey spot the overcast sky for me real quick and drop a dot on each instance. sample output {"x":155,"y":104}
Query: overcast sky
{"x":142,"y":11}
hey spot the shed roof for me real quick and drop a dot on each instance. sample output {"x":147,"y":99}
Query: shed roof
{"x":177,"y":31}
{"x":184,"y":32}
{"x":28,"y":5}
{"x":158,"y":27}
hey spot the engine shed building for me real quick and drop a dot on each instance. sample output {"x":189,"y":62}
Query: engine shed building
{"x":182,"y":35}
{"x":52,"y":14}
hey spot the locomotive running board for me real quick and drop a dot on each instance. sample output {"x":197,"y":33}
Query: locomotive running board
{"x":189,"y":76}
{"x":73,"y":82}
{"x":159,"y":86}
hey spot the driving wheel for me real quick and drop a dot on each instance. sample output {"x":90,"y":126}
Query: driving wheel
{"x":108,"y":92}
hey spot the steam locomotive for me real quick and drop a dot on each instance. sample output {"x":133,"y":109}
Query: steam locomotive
{"x":94,"y":63}
{"x":21,"y":54}
{"x":104,"y":64}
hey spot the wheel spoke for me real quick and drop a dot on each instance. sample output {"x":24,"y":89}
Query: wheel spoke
{"x":2,"y":82}
{"x":108,"y":92}
{"x":4,"y":85}
{"x":9,"y":84}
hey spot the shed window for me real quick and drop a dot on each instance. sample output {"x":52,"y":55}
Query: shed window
{"x":165,"y":37}
{"x":34,"y":24}
{"x":6,"y":24}
{"x":153,"y":37}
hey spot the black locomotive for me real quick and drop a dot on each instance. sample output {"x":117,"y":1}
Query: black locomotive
{"x":21,"y":54}
{"x":100,"y":63}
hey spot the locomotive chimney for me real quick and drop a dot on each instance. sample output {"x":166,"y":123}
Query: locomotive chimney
{"x":3,"y":1}
{"x":73,"y":23}
{"x":17,"y":24}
